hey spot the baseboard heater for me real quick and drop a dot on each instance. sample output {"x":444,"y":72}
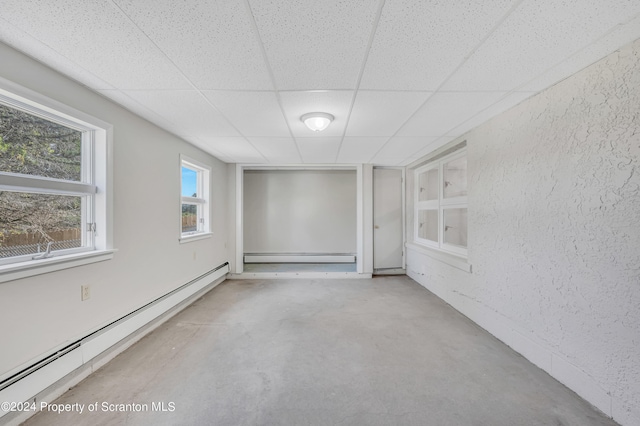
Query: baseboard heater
{"x":25,"y":384}
{"x":299,"y":258}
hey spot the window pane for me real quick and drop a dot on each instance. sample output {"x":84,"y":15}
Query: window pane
{"x":428,"y":185}
{"x":189,"y":218}
{"x":189,"y":182}
{"x":34,"y":146}
{"x":455,"y":178}
{"x":428,"y":224}
{"x":28,"y":222}
{"x":455,"y":227}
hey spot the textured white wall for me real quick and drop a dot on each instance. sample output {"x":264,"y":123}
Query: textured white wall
{"x":300,"y":211}
{"x":45,"y":311}
{"x":554,"y":233}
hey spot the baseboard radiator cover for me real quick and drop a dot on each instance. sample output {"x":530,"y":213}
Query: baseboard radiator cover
{"x":299,"y":258}
{"x":30,"y":381}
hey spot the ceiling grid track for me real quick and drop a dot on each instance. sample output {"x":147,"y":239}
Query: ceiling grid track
{"x":254,"y":25}
{"x":202,"y":95}
{"x":464,"y":60}
{"x":372,"y":36}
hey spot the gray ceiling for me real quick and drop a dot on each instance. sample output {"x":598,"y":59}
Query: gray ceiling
{"x":401,"y":77}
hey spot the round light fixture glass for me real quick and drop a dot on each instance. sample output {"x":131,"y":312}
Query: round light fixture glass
{"x":317,"y":121}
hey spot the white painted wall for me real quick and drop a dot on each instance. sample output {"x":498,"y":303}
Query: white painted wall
{"x":300,"y":211}
{"x":41,"y":313}
{"x":554,"y":233}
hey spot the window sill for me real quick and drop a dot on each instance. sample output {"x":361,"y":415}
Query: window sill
{"x":30,"y":268}
{"x":195,"y":237}
{"x":448,"y":258}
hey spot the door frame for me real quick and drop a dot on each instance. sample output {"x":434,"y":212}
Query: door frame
{"x":403,"y":171}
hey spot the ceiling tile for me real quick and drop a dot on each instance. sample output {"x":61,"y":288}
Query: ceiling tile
{"x":319,"y":150}
{"x":620,"y":36}
{"x":440,"y":142}
{"x":399,"y":148}
{"x":382,"y":113}
{"x":314,"y":44}
{"x":96,"y":36}
{"x":237,"y":150}
{"x":134,"y":106}
{"x":277,"y":150}
{"x":187,"y":109}
{"x":213,"y":42}
{"x":527,"y":43}
{"x":418,"y":43}
{"x":502,"y":105}
{"x":252,"y":113}
{"x":446,"y":110}
{"x":334,"y":102}
{"x":359,"y":149}
{"x":18,"y":39}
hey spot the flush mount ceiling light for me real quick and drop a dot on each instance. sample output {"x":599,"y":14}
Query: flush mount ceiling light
{"x":317,"y":121}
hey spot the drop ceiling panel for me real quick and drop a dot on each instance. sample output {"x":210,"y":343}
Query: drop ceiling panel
{"x":314,"y":44}
{"x":399,"y":148}
{"x":277,"y":150}
{"x":446,"y":110}
{"x":620,"y":36}
{"x":318,"y":150}
{"x":136,"y":107}
{"x":418,"y":44}
{"x":20,"y":40}
{"x":252,"y":113}
{"x":527,"y":43}
{"x":334,"y":102}
{"x":213,"y":42}
{"x":382,"y":113}
{"x":236,"y":149}
{"x":187,"y":109}
{"x":502,"y":105}
{"x":360,"y":150}
{"x":98,"y":37}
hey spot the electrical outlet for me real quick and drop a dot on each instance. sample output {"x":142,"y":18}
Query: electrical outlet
{"x":85,"y":292}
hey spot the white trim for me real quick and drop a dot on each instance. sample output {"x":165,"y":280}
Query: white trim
{"x":451,"y":259}
{"x":30,"y":268}
{"x":239,"y":264}
{"x":195,"y":237}
{"x":43,"y":185}
{"x":299,"y":258}
{"x":298,"y":275}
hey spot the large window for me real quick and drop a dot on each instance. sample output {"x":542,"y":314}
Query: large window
{"x":194,"y":205}
{"x":441,"y":204}
{"x":52,"y":168}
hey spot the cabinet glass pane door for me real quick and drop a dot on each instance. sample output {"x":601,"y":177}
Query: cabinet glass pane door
{"x":455,"y":227}
{"x":428,"y":225}
{"x":428,"y":185}
{"x":455,"y":178}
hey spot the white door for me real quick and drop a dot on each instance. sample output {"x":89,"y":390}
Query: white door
{"x":387,"y":219}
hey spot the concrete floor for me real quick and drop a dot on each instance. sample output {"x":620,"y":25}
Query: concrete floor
{"x":383,"y":351}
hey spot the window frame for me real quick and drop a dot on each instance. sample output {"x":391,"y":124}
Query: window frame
{"x":202,"y":200}
{"x":94,"y":186}
{"x":440,"y":205}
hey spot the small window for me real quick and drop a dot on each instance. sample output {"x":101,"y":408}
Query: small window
{"x":441,"y":204}
{"x":48,"y":185}
{"x":194,"y":195}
